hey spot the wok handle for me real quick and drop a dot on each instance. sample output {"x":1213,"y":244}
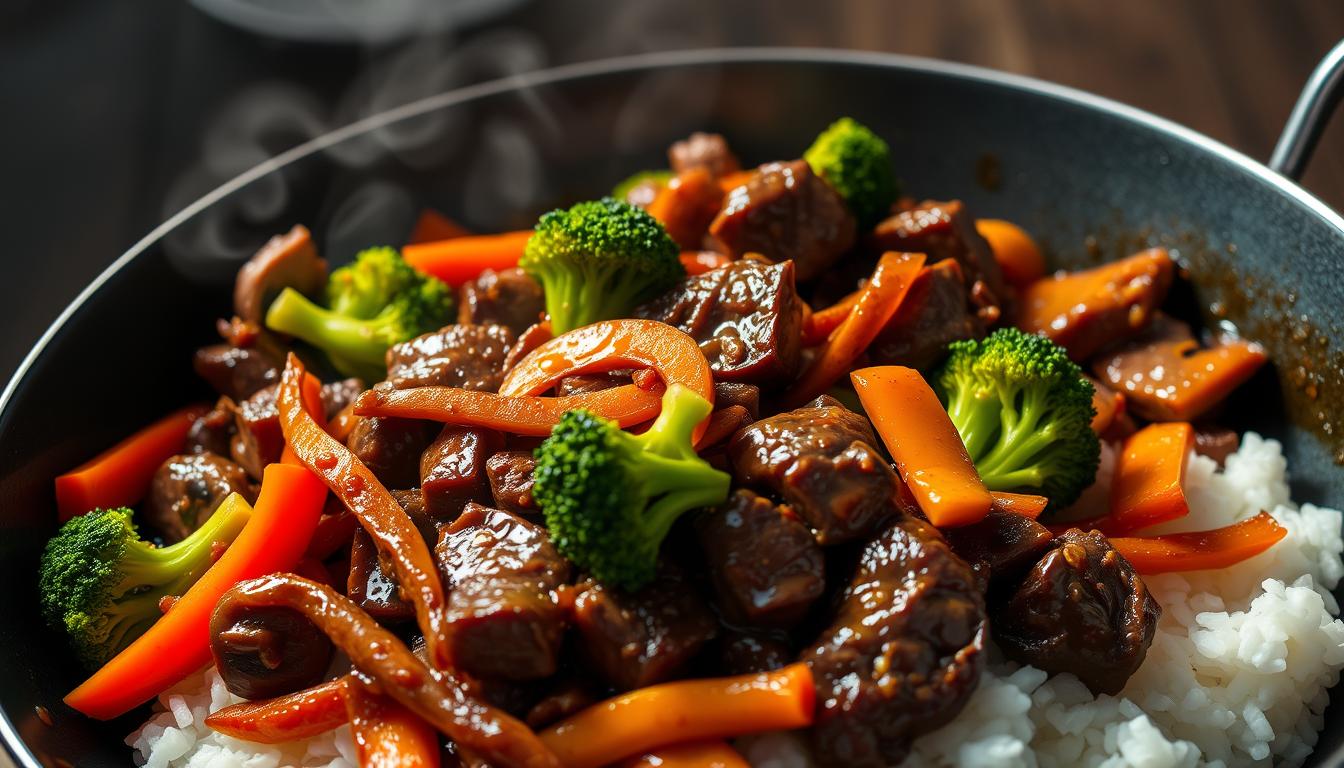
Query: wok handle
{"x":1320,"y":96}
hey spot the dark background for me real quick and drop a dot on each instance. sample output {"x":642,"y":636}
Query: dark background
{"x":119,"y":113}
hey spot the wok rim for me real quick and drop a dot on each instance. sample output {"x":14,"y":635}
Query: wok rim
{"x":18,"y":750}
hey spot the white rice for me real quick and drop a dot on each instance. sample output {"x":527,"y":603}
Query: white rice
{"x":1237,"y":675}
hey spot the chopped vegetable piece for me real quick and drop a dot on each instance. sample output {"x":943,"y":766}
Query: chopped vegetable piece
{"x":597,"y":260}
{"x":700,"y":262}
{"x":393,"y":533}
{"x":1022,"y":504}
{"x":857,"y":163}
{"x":1201,"y":550}
{"x":610,"y":497}
{"x":1107,"y":404}
{"x":820,"y":324}
{"x":611,"y":345}
{"x":880,"y":299}
{"x":689,"y":710}
{"x":700,"y":754}
{"x":1149,"y":471}
{"x":312,"y":403}
{"x":178,"y":644}
{"x":730,"y":181}
{"x":655,"y":179}
{"x":627,"y":405}
{"x":1016,"y":252}
{"x":924,"y":444}
{"x":686,"y":206}
{"x":460,"y":259}
{"x":101,"y":584}
{"x":120,"y":476}
{"x":432,"y":226}
{"x":300,"y":715}
{"x":723,"y":424}
{"x":1024,"y":411}
{"x":388,"y":734}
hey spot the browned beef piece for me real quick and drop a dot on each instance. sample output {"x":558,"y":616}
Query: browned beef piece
{"x":285,"y":261}
{"x":904,"y":653}
{"x":371,"y":582}
{"x":1001,"y":547}
{"x":566,"y":697}
{"x":935,"y":312}
{"x":703,"y":150}
{"x":746,"y":317}
{"x":1216,"y":442}
{"x":589,"y":382}
{"x":336,"y":395}
{"x":509,"y":298}
{"x":263,"y":652}
{"x":1081,"y":609}
{"x":641,"y":638}
{"x":502,"y":574}
{"x":510,"y":476}
{"x":728,"y":393}
{"x":944,"y":230}
{"x":767,"y":568}
{"x":257,"y":438}
{"x":212,"y":432}
{"x":742,"y":652}
{"x":452,"y":468}
{"x":186,"y":490}
{"x":466,"y":356}
{"x":236,"y":372}
{"x":786,"y":213}
{"x":819,"y":460}
{"x":391,"y":447}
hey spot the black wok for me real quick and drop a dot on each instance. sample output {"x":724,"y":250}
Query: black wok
{"x":1093,"y":179}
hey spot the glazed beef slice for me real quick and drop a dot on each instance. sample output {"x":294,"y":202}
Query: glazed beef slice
{"x":466,"y":356}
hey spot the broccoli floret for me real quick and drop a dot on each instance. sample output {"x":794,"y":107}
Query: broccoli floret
{"x":610,"y":497}
{"x":657,"y":178}
{"x":375,"y":302}
{"x":102,"y":584}
{"x":1025,"y":412}
{"x":857,"y":163}
{"x":598,"y":259}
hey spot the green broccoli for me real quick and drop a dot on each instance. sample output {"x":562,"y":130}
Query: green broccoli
{"x":658,"y":178}
{"x":102,"y":584}
{"x":857,"y":163}
{"x":610,"y":497}
{"x":598,"y":259}
{"x":1025,"y":412}
{"x":375,"y":302}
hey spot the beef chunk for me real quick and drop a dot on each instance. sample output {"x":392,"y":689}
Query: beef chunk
{"x":904,"y":653}
{"x":236,"y":372}
{"x":703,"y":150}
{"x":1081,"y":609}
{"x":742,"y":652}
{"x":391,"y":448}
{"x":646,"y":637}
{"x":785,"y":212}
{"x":337,"y":395}
{"x":729,"y":393}
{"x":1216,"y":442}
{"x":212,"y":432}
{"x":285,"y":261}
{"x":510,"y":476}
{"x":767,"y":568}
{"x":567,"y":697}
{"x":186,"y":489}
{"x":819,"y":460}
{"x":746,"y":317}
{"x":1001,"y":547}
{"x":502,"y":573}
{"x":258,"y":439}
{"x":936,"y":311}
{"x":267,"y":651}
{"x":371,"y":583}
{"x":585,"y":383}
{"x":508,"y":297}
{"x":466,"y":356}
{"x":944,"y":230}
{"x":452,"y":468}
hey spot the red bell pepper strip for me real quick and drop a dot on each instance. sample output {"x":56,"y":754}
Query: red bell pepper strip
{"x":178,"y":644}
{"x":1147,"y":488}
{"x":1201,"y":550}
{"x":293,"y":717}
{"x":924,"y":443}
{"x":120,"y":476}
{"x":387,"y":734}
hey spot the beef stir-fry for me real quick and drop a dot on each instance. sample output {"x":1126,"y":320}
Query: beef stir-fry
{"x":748,"y":449}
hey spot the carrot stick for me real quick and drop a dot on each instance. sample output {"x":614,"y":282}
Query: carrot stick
{"x":924,"y":443}
{"x":293,"y":717}
{"x":879,"y":301}
{"x":386,"y":734}
{"x":821,"y":323}
{"x":1016,"y":252}
{"x":1149,"y":472}
{"x":1201,"y":550}
{"x":432,"y":226}
{"x":1023,"y":504}
{"x":701,"y":754}
{"x":460,"y":259}
{"x":730,"y":181}
{"x":1108,"y":404}
{"x":686,"y":205}
{"x":700,"y":262}
{"x":723,"y":423}
{"x":120,"y":476}
{"x":689,"y":710}
{"x":178,"y":644}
